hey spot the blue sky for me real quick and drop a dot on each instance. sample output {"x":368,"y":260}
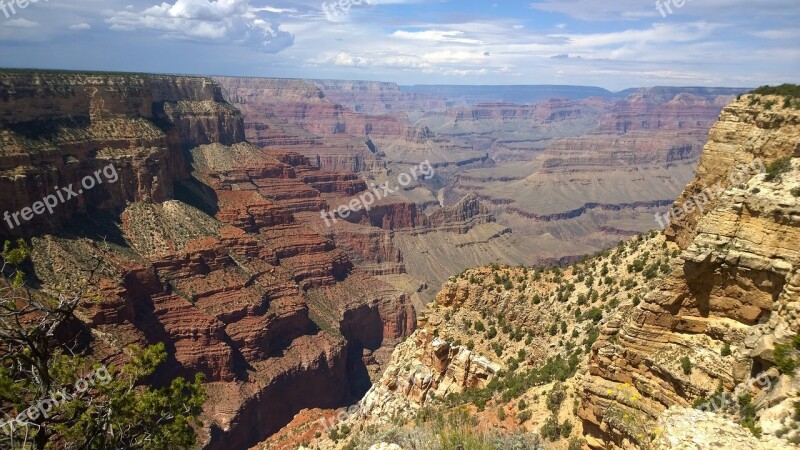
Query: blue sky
{"x":609,"y":43}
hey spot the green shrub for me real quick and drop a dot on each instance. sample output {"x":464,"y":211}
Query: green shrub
{"x":748,"y":413}
{"x":556,"y":397}
{"x":776,"y":168}
{"x":785,"y":90}
{"x":550,"y":430}
{"x":566,"y":429}
{"x":594,"y":314}
{"x":784,"y":358}
{"x":796,"y":192}
{"x":524,"y":416}
{"x":686,"y":365}
{"x":726,"y":350}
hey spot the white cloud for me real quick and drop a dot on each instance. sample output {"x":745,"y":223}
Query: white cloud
{"x":21,"y":23}
{"x":786,"y":33}
{"x":219,"y":21}
{"x":435,"y":36}
{"x":80,"y":26}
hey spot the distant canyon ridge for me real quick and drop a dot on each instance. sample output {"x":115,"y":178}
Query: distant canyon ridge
{"x":531,"y":174}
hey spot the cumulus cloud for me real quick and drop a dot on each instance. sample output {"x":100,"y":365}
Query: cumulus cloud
{"x":215,"y":21}
{"x":80,"y":26}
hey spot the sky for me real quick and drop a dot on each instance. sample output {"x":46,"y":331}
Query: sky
{"x":615,"y":44}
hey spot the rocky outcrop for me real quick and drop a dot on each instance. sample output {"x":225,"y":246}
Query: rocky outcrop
{"x":745,"y":138}
{"x":684,"y":428}
{"x":736,"y":287}
{"x":422,"y":368}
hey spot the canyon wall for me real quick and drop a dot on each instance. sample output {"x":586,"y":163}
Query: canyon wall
{"x":735,"y":286}
{"x":199,"y":243}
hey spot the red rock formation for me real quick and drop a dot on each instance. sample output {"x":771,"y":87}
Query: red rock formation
{"x":231,"y":296}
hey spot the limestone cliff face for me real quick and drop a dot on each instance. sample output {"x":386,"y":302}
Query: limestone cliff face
{"x":736,"y":285}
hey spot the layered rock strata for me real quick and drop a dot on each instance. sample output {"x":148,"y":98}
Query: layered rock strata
{"x":197,"y":245}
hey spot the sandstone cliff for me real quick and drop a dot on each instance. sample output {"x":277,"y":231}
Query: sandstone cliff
{"x":735,"y":287}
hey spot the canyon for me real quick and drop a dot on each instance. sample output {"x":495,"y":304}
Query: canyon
{"x":573,"y":171}
{"x":212,"y":242}
{"x":686,"y":338}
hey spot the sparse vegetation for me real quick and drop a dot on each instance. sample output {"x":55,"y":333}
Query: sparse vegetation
{"x":785,"y":356}
{"x":791,"y":91}
{"x":777,"y":168}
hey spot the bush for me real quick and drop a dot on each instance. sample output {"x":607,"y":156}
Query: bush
{"x":566,"y":429}
{"x":594,"y":314}
{"x":726,"y":350}
{"x":686,"y":365}
{"x":524,"y":416}
{"x":556,"y":397}
{"x":550,"y":430}
{"x":501,"y":414}
{"x":748,"y":413}
{"x":784,"y":358}
{"x":776,"y":168}
{"x":796,"y":192}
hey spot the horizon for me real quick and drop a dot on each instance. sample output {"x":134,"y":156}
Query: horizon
{"x":201,"y":75}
